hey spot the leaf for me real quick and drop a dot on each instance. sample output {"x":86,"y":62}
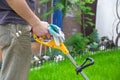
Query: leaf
{"x":90,"y":13}
{"x":43,"y":1}
{"x":46,"y":14}
{"x":90,"y":23}
{"x":89,"y":1}
{"x":59,"y":6}
{"x":87,"y":18}
{"x":73,"y":1}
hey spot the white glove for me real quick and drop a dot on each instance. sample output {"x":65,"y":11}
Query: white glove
{"x":57,"y":34}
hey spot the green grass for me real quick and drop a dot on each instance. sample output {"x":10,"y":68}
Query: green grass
{"x":106,"y":67}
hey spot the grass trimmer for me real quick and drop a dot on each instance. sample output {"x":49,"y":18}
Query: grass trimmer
{"x":57,"y":43}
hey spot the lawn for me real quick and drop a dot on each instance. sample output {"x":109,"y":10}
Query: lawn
{"x":106,"y":67}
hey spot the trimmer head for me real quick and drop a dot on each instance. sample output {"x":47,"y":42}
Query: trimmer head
{"x":85,"y":64}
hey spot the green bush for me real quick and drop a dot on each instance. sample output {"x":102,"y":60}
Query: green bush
{"x":93,"y":37}
{"x":77,"y":43}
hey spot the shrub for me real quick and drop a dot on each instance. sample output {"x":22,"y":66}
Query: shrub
{"x":77,"y":43}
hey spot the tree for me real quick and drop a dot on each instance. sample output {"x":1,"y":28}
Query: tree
{"x":79,"y":7}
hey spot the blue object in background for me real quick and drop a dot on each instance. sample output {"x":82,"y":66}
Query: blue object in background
{"x":58,"y":17}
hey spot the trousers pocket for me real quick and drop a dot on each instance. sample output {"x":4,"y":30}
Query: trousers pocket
{"x":4,"y":39}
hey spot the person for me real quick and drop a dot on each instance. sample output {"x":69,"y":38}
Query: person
{"x":17,"y":18}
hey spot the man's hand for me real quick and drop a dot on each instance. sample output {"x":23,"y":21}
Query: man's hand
{"x":41,"y":29}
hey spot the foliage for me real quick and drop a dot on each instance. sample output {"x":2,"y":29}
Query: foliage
{"x":84,"y":13}
{"x":60,"y":5}
{"x":93,"y":37}
{"x":63,"y":5}
{"x":77,"y":42}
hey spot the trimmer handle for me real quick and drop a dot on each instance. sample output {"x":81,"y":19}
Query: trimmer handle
{"x":85,"y":64}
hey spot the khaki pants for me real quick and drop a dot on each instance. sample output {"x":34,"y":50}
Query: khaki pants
{"x":16,"y":51}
